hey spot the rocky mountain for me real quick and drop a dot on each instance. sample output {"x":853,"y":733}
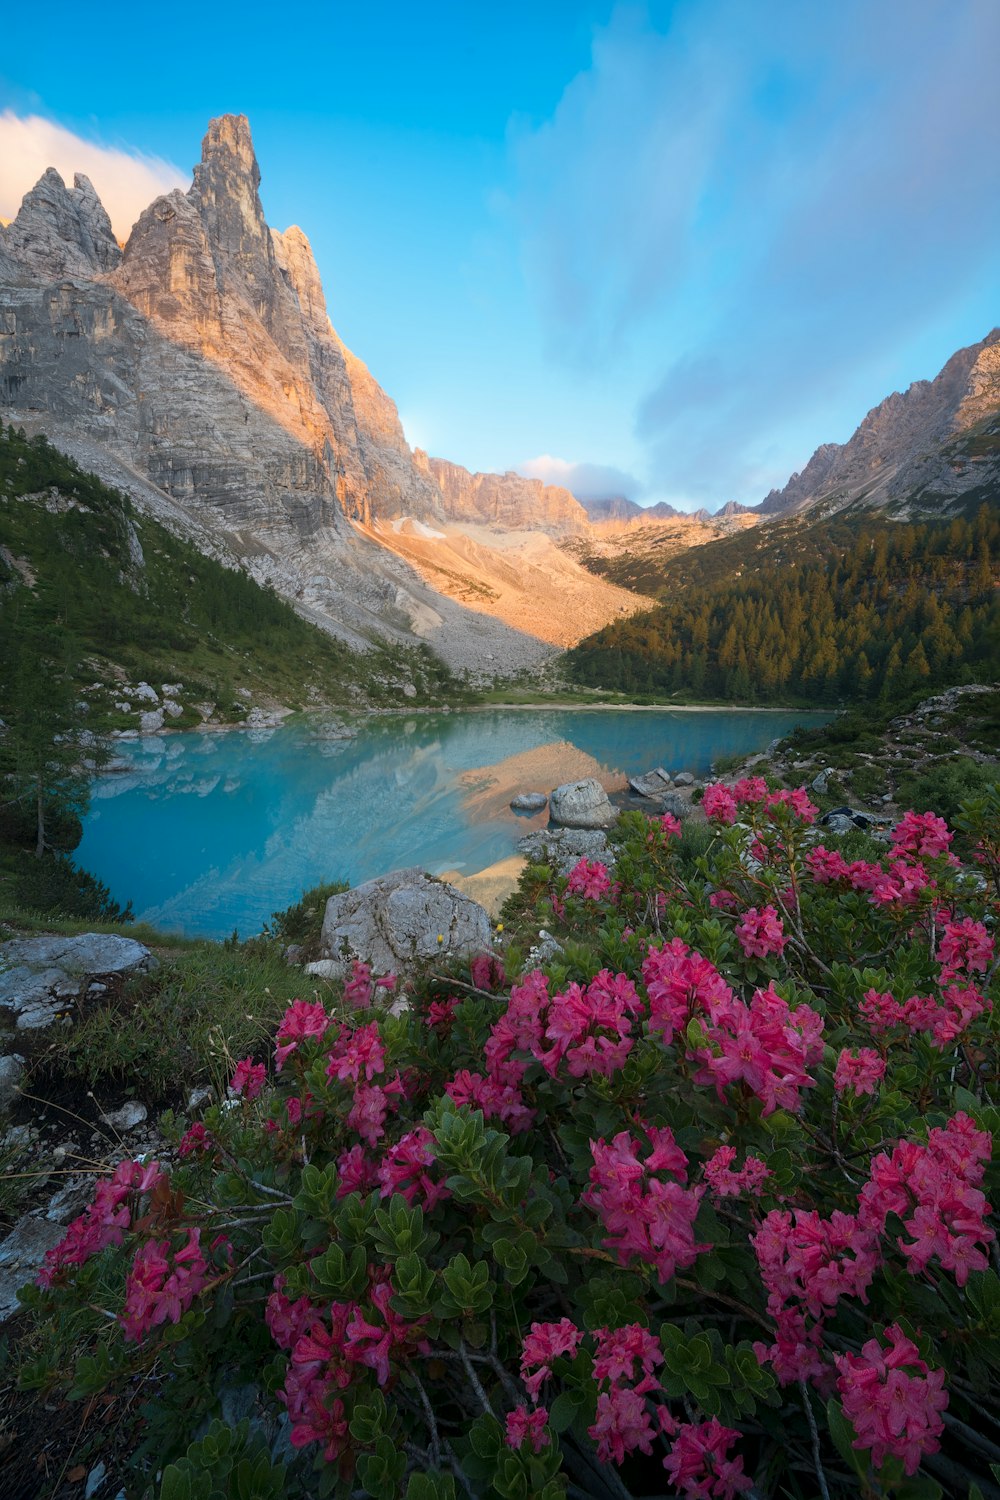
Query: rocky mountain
{"x":198,"y":370}
{"x":922,"y":450}
{"x":508,"y":501}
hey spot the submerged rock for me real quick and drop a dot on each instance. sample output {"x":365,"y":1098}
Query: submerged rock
{"x":529,"y":802}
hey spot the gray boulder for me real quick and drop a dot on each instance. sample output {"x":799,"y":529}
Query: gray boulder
{"x":581,"y":804}
{"x":399,"y":920}
{"x":844,"y":819}
{"x":529,"y":802}
{"x":40,"y":977}
{"x":562,"y":848}
{"x":683,"y":778}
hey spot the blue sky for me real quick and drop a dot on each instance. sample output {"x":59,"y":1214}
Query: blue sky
{"x":662,"y":250}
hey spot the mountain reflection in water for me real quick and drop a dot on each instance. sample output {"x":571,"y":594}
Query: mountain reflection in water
{"x":207,"y":833}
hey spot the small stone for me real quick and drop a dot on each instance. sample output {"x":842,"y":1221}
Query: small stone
{"x":172,"y":710}
{"x":684,"y":778}
{"x":409,"y":691}
{"x":129,"y":1117}
{"x":197,"y":1099}
{"x":151,"y":722}
{"x":95,"y":1479}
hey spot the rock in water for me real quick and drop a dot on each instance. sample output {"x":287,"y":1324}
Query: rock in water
{"x":581,"y":804}
{"x":529,"y":802}
{"x":652,"y":784}
{"x":399,"y":920}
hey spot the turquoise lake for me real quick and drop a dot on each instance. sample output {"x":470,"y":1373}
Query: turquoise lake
{"x":211,"y":833}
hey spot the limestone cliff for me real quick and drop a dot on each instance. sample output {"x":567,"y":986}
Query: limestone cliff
{"x":919,"y":450}
{"x":508,"y":501}
{"x":62,"y":232}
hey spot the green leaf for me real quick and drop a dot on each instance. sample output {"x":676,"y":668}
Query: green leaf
{"x":175,"y":1485}
{"x":843,"y":1436}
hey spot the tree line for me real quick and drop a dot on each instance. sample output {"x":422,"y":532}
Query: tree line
{"x":899,"y":607}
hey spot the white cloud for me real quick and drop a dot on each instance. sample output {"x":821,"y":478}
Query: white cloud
{"x":585,"y":481}
{"x":126,"y":181}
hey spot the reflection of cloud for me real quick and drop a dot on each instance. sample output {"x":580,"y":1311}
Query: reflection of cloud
{"x":585,"y":481}
{"x":756,"y":207}
{"x":127,"y":181}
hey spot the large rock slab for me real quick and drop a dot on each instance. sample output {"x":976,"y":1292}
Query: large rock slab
{"x":653,"y":784}
{"x":562,"y":848}
{"x":400,"y":920}
{"x":581,"y":804}
{"x":40,"y":977}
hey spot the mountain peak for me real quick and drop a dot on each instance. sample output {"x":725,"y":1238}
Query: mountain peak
{"x":61,"y":231}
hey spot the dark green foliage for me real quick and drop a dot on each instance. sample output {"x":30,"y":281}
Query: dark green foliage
{"x":54,"y":886}
{"x":73,"y":570}
{"x":945,"y":786}
{"x":302,"y":922}
{"x":836,"y":612}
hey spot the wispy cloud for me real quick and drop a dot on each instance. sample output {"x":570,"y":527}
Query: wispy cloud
{"x":751,"y":212}
{"x":126,"y":180}
{"x":585,"y":481}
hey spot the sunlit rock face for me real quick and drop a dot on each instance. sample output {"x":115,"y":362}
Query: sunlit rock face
{"x":233,"y":386}
{"x":508,"y":501}
{"x":918,"y":450}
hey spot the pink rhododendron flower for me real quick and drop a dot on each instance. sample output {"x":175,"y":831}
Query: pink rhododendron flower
{"x":543,"y":1343}
{"x":403,"y":1170}
{"x":718,"y":803}
{"x":302,"y":1019}
{"x":247,"y":1079}
{"x":761,"y":932}
{"x":934,"y":1189}
{"x":104,"y":1223}
{"x":922,"y":834}
{"x":750,"y":791}
{"x":590,"y":879}
{"x":646,"y":1217}
{"x":522,"y":1424}
{"x":811,"y":1261}
{"x":680,"y":984}
{"x":965,"y":947}
{"x":196,"y":1138}
{"x":162,"y":1285}
{"x":622,"y":1425}
{"x":765,"y":1045}
{"x":360,"y":987}
{"x":669,"y":826}
{"x":699,"y":1465}
{"x":372,"y":1104}
{"x":488,"y":972}
{"x":859,"y":1071}
{"x":497,"y":1099}
{"x":356,"y":1172}
{"x":357,"y":1052}
{"x":827,"y":865}
{"x":797,"y":801}
{"x":723,"y":1182}
{"x":620,"y":1350}
{"x":893,"y":1400}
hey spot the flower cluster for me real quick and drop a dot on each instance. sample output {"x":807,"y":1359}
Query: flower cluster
{"x":248,"y":1079}
{"x":859,"y":1072}
{"x":760,"y":933}
{"x":646,"y":1207}
{"x":699,"y":1464}
{"x":623,"y":1369}
{"x":162,"y":1284}
{"x":544,"y":1343}
{"x":104,"y":1223}
{"x":893,"y":1400}
{"x":589,"y":879}
{"x":724,"y":1182}
{"x":328,"y":1350}
{"x":935,"y":1190}
{"x":766,"y":1045}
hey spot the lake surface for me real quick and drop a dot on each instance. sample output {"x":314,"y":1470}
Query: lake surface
{"x":211,"y":833}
